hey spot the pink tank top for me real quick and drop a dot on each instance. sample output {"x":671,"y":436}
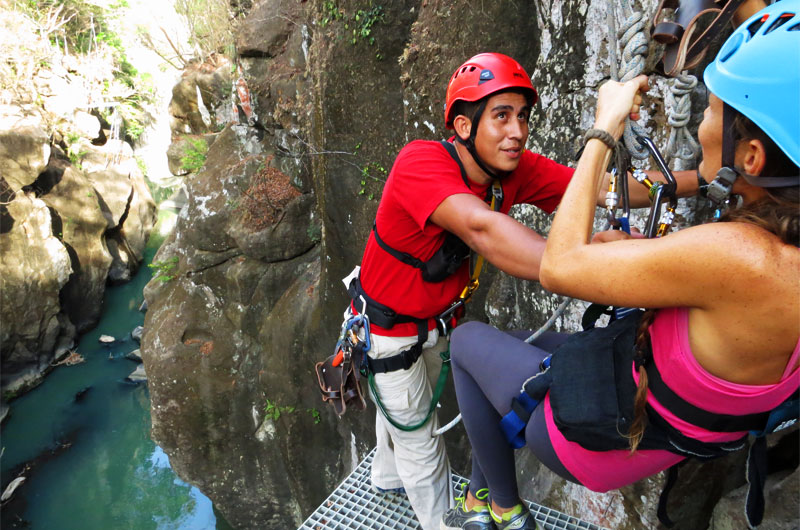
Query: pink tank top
{"x":669,"y":333}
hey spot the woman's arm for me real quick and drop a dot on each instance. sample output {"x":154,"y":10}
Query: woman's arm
{"x":679,"y":269}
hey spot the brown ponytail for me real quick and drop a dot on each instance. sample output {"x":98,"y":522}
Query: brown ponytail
{"x":643,"y":354}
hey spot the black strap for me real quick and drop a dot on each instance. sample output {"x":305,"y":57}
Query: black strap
{"x":403,"y":360}
{"x":492,"y":191}
{"x":756,"y":478}
{"x":593,"y":313}
{"x":672,"y":478}
{"x":451,"y":150}
{"x":378,"y":314}
{"x":728,"y":140}
{"x":405,"y":257}
{"x":386,"y":318}
{"x":711,"y":421}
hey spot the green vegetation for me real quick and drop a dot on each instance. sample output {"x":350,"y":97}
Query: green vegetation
{"x":47,"y":31}
{"x":364,"y":20}
{"x":195,"y":157}
{"x":314,"y":232}
{"x":74,"y":152}
{"x":164,"y":269}
{"x":212,"y":24}
{"x":274,"y":411}
{"x":314,"y":414}
{"x":371,"y":173}
{"x":360,"y":24}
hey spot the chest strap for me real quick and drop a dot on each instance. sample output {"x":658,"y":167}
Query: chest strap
{"x":697,"y":416}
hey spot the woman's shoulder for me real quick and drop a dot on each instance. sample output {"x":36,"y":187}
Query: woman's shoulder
{"x":741,"y":239}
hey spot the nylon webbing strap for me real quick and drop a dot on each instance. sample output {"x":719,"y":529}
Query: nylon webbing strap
{"x":494,"y":196}
{"x":497,"y":200}
{"x":437,"y":393}
{"x":711,"y":421}
{"x":404,"y":257}
{"x":403,"y":360}
{"x":728,"y":142}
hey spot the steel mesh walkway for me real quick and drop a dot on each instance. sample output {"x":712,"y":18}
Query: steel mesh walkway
{"x":353,"y":505}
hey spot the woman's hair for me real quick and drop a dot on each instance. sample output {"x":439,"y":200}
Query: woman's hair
{"x":778,"y":212}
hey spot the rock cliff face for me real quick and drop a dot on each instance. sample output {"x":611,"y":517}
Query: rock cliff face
{"x":74,"y":217}
{"x":251,"y":298}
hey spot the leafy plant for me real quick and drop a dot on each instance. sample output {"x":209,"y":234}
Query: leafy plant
{"x":195,"y":157}
{"x":360,"y":24}
{"x":274,"y":411}
{"x":315,"y":415}
{"x":164,"y":269}
{"x":372,"y":172}
{"x":364,"y":20}
{"x":74,"y":151}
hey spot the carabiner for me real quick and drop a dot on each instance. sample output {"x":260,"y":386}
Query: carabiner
{"x":658,"y":192}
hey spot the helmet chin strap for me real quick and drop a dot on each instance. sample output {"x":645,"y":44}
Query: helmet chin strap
{"x":469,"y":143}
{"x":719,"y":190}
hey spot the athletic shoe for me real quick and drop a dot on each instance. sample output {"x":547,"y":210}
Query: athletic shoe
{"x":520,"y":518}
{"x":459,"y":518}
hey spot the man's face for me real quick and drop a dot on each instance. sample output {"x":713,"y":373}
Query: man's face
{"x":503,"y":131}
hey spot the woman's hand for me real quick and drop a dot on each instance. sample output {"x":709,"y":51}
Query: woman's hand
{"x":616,"y":101}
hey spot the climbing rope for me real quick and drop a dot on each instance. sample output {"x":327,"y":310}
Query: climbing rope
{"x":634,"y":43}
{"x":678,"y":104}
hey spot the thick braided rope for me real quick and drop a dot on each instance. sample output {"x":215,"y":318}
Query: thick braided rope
{"x":678,"y":103}
{"x":634,"y":43}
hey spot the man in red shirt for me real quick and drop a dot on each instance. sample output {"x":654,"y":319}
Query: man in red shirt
{"x":413,"y":267}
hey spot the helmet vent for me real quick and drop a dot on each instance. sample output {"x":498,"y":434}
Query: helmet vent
{"x":755,"y":26}
{"x":780,"y":21}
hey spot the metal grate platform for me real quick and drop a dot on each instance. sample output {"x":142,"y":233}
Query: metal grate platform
{"x":353,"y":505}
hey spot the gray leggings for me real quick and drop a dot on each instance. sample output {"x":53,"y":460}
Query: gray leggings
{"x":489,"y":367}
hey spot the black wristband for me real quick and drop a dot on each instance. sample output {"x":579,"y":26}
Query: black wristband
{"x":702,"y":185}
{"x":603,"y":136}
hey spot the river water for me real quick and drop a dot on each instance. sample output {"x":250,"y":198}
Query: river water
{"x":87,"y":432}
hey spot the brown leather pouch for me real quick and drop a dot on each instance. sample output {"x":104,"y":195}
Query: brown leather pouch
{"x":340,"y":385}
{"x":696,"y":24}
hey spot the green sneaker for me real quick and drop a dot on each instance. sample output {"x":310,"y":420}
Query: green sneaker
{"x":519,"y":518}
{"x":459,"y":518}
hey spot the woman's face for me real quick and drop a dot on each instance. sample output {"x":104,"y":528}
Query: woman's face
{"x":710,"y":136}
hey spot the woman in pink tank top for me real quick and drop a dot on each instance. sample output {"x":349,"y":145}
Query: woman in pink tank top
{"x":721,"y":339}
{"x":724,"y":296}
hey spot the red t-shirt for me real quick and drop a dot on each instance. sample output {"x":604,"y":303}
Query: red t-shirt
{"x":424,"y":174}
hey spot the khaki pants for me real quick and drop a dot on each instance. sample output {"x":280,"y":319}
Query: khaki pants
{"x":415,"y":460}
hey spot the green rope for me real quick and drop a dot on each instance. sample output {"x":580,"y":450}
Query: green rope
{"x":437,"y":393}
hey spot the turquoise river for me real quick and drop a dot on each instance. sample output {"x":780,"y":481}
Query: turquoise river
{"x":82,"y":440}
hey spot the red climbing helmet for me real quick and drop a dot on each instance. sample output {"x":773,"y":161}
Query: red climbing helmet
{"x":482,"y":75}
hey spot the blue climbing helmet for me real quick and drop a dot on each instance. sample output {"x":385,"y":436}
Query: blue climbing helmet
{"x":757,"y":72}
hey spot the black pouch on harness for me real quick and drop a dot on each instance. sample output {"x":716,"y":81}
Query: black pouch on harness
{"x":446,"y":260}
{"x":593,"y":391}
